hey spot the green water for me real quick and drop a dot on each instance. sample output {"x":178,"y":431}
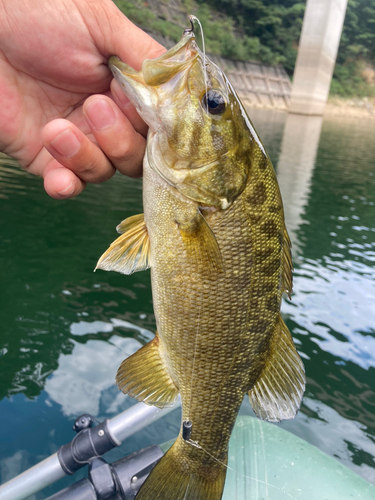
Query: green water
{"x":65,"y":329}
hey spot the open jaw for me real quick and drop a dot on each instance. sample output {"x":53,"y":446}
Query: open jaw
{"x":141,"y":87}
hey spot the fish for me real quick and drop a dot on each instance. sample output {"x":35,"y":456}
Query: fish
{"x":214,"y":236}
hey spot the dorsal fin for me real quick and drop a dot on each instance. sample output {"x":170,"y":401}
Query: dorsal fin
{"x":131,"y":251}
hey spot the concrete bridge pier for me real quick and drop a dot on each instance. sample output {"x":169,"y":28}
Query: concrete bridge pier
{"x":320,"y":38}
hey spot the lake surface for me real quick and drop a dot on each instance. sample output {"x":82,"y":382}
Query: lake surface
{"x":65,"y":329}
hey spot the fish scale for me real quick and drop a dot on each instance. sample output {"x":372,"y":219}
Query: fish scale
{"x":214,"y":236}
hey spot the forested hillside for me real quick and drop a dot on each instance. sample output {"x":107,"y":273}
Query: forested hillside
{"x":269,"y":31}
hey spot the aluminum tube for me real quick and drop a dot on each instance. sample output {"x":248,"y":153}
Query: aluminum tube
{"x":32,"y":480}
{"x":135,"y":418}
{"x":49,"y":470}
{"x":82,"y":490}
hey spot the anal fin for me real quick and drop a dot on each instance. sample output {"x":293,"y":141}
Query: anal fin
{"x":145,"y":377}
{"x":131,"y":251}
{"x":278,"y":392}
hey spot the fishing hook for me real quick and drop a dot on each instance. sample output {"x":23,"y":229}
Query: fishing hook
{"x":191,"y":29}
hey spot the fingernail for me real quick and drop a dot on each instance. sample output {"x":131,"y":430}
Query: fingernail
{"x":66,"y":143}
{"x":68,"y":190}
{"x":100,"y":114}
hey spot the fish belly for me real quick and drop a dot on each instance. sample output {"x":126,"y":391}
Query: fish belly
{"x":202,"y":315}
{"x":220,"y":333}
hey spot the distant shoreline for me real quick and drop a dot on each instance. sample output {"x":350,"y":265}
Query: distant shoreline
{"x":354,"y":107}
{"x":340,"y":107}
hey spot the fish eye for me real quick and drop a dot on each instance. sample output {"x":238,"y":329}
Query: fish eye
{"x":214,"y":102}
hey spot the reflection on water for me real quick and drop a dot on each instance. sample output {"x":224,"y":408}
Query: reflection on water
{"x":85,"y":375}
{"x":350,"y":290}
{"x":295,"y":167}
{"x":65,"y":330}
{"x":10,"y":177}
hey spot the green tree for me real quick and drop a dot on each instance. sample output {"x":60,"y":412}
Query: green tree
{"x":269,"y":31}
{"x":356,"y":51}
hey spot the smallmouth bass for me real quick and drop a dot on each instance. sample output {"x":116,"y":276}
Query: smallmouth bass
{"x":214,"y":236}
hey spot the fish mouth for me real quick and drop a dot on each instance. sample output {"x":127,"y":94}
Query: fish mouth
{"x":158,"y":71}
{"x":141,"y":87}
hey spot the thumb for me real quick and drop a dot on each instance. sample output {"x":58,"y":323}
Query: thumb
{"x":114,"y":34}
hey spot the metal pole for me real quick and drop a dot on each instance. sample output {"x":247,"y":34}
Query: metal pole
{"x":49,"y":470}
{"x":136,"y":418}
{"x":35,"y":479}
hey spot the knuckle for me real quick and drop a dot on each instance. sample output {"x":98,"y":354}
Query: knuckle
{"x":123,"y":153}
{"x":93,"y":169}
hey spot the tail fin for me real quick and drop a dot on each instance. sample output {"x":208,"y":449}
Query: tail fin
{"x":182,"y":475}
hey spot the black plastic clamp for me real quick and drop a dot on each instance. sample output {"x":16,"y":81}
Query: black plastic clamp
{"x":88,"y":444}
{"x":118,"y":481}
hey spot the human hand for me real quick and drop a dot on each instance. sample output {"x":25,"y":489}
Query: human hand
{"x":63,"y":117}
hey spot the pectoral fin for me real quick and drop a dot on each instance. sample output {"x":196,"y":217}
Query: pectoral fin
{"x":200,"y":242}
{"x":145,"y":377}
{"x":277,"y":394}
{"x":131,"y":251}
